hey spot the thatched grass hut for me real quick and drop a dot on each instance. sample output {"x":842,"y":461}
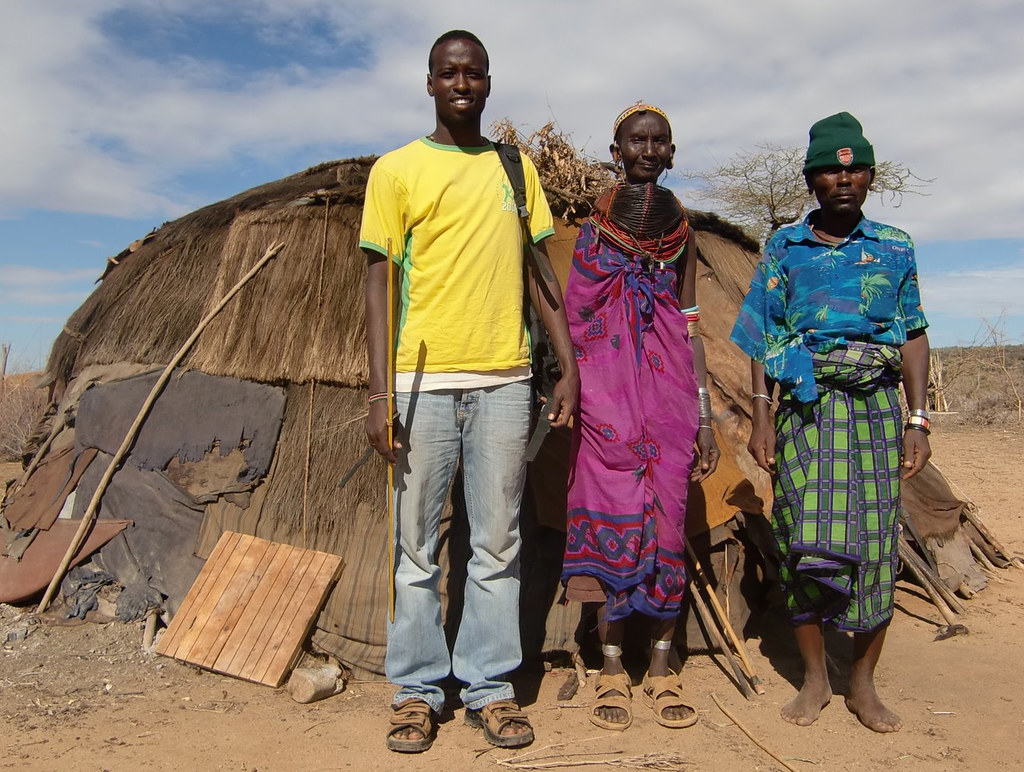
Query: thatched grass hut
{"x":298,"y":327}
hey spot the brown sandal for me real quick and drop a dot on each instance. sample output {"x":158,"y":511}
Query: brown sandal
{"x":411,"y":713}
{"x":662,"y":692}
{"x":494,"y":717}
{"x":604,"y":698}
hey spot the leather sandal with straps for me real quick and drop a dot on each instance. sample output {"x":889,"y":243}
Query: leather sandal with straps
{"x":663,"y":692}
{"x":495,"y":717}
{"x":612,"y":691}
{"x":415,"y":714}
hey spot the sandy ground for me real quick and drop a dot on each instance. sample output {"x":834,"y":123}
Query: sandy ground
{"x":86,"y":697}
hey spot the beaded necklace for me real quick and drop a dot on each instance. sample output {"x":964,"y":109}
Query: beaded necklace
{"x":645,"y":220}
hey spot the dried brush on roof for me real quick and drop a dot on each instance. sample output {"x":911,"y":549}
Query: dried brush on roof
{"x":571,"y":181}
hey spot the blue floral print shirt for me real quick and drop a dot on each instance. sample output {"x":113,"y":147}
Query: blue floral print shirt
{"x":810,"y":296}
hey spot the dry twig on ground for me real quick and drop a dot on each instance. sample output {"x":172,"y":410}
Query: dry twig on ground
{"x":748,"y":733}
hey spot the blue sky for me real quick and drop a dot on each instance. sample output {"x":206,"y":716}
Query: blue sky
{"x":122,"y":114}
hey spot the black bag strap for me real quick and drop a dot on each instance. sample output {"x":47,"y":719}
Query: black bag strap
{"x":545,"y":364}
{"x":512,"y":163}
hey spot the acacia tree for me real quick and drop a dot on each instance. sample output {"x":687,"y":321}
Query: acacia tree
{"x":764,"y":189}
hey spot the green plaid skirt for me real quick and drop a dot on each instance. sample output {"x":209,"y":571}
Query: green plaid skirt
{"x":837,"y":494}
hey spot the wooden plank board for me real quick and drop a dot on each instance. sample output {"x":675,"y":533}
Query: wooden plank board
{"x":236,"y":649}
{"x":251,"y":608}
{"x":307,"y":609}
{"x":287,"y":622}
{"x":207,"y":604}
{"x":168,"y":643}
{"x":270,"y":606}
{"x":232,"y":602}
{"x":281,"y":604}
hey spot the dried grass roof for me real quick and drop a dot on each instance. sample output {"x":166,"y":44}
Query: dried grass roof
{"x":301,"y":318}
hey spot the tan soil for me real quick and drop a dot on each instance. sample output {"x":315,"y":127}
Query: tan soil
{"x":85,"y":697}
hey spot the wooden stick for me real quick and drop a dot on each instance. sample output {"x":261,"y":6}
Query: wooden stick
{"x":927,"y":586}
{"x":712,"y":629}
{"x":115,"y":462}
{"x":975,"y":519}
{"x":150,"y":632}
{"x":909,"y":525}
{"x":723,"y":618}
{"x":987,"y":566}
{"x":390,"y":389}
{"x":970,"y":512}
{"x":306,"y":468}
{"x":976,"y":536}
{"x":748,"y":733}
{"x":940,"y":586}
{"x":579,"y":668}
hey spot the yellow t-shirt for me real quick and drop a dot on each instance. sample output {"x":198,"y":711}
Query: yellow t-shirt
{"x":451,"y":217}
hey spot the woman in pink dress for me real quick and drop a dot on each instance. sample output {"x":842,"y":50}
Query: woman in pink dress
{"x":643,"y":428}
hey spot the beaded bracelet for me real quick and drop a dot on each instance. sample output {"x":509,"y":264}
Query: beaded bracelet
{"x":377,"y":397}
{"x":692,"y":315}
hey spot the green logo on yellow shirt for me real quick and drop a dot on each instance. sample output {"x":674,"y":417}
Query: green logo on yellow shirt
{"x":509,"y":204}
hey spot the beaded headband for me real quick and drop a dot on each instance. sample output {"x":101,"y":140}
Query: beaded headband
{"x":639,"y":107}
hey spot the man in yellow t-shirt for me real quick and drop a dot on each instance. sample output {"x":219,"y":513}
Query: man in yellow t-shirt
{"x":443,"y":209}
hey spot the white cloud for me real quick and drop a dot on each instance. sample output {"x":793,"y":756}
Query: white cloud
{"x":27,"y":288}
{"x":33,"y":319}
{"x":977,"y":294}
{"x":93,"y":128}
{"x":24,"y":276}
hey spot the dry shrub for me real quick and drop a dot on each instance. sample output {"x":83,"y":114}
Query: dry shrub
{"x":571,"y":181}
{"x":21,"y":404}
{"x":983,"y":384}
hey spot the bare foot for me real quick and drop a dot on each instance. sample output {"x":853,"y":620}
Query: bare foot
{"x":805,"y":708}
{"x":872,"y":713}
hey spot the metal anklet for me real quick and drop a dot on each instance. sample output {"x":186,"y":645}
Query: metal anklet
{"x":611,"y":651}
{"x":661,"y":645}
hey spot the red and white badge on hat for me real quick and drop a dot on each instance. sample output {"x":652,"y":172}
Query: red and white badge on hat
{"x":845,"y":155}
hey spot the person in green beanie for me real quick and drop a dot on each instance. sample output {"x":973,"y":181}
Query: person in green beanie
{"x":833,"y":319}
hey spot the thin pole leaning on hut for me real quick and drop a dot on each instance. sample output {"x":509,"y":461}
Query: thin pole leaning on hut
{"x":115,"y":462}
{"x":723,"y":619}
{"x":390,"y":390}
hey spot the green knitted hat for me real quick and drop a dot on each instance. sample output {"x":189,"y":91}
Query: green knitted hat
{"x":838,"y":141}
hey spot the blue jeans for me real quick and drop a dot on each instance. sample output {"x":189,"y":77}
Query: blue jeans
{"x":489,"y":427}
